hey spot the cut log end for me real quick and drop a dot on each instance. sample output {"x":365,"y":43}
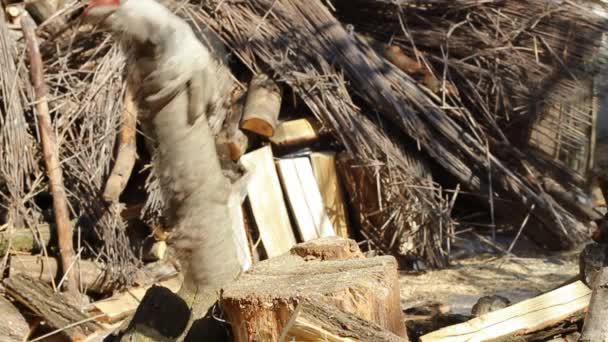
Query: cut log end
{"x":259,"y":126}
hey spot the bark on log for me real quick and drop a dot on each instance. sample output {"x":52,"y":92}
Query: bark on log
{"x":51,"y":155}
{"x":126,"y":151}
{"x":319,"y":321}
{"x":595,"y":327}
{"x":259,"y":309}
{"x":24,"y":239}
{"x":263,"y":105}
{"x":14,"y":327}
{"x":56,"y":310}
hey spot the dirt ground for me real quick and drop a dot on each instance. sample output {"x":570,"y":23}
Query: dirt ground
{"x":516,"y":278}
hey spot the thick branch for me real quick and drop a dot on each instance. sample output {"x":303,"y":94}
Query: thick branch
{"x":51,"y":155}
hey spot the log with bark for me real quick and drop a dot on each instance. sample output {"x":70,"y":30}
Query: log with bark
{"x":261,"y":112}
{"x":58,"y":310}
{"x":14,"y":327}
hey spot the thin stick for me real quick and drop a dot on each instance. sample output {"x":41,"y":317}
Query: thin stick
{"x":521,"y":228}
{"x":50,"y":152}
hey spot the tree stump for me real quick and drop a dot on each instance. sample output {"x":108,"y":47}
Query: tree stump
{"x":260,"y":304}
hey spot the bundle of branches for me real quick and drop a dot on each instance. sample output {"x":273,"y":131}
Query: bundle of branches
{"x":20,"y":177}
{"x":412,"y":218}
{"x":84,"y":73}
{"x":525,"y":69}
{"x":295,"y":35}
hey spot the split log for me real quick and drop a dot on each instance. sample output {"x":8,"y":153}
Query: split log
{"x":304,"y":198}
{"x":120,"y":306}
{"x":262,"y":107}
{"x":51,"y":155}
{"x":595,"y":327}
{"x":267,"y":203}
{"x":319,"y":321}
{"x":260,"y":304}
{"x":231,"y":136}
{"x":54,"y":308}
{"x":522,"y":318}
{"x":296,"y":132}
{"x":14,"y":327}
{"x":324,"y":167}
{"x":24,"y":239}
{"x":127,"y":150}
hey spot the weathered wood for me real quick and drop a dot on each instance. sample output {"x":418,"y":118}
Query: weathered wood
{"x":304,"y":198}
{"x":24,"y":239}
{"x":296,"y":132}
{"x":319,"y":321}
{"x":524,"y":317}
{"x":231,"y":136}
{"x":43,"y":10}
{"x":43,"y":269}
{"x":328,"y":248}
{"x":124,"y":304}
{"x":51,"y":154}
{"x":324,"y":167}
{"x":14,"y":327}
{"x":267,"y":203}
{"x":126,"y":150}
{"x":260,"y":304}
{"x":57,"y":311}
{"x":595,"y":327}
{"x":238,"y":227}
{"x":262,"y":107}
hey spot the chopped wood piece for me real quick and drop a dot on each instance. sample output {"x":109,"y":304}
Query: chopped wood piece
{"x":24,"y":239}
{"x":295,"y":132}
{"x":231,"y":136}
{"x":319,"y":321}
{"x":267,"y":203}
{"x":595,"y":327}
{"x":54,"y":308}
{"x":14,"y":327}
{"x":51,"y":154}
{"x":126,"y":151}
{"x":324,"y":167}
{"x":123,"y":304}
{"x":304,"y":198}
{"x":238,"y":227}
{"x":260,"y":304}
{"x":262,"y":107}
{"x":328,"y":248}
{"x":524,"y":317}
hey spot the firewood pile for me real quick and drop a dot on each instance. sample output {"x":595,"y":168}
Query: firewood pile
{"x":365,"y":137}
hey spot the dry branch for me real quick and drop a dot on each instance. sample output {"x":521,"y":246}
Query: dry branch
{"x":51,"y":155}
{"x":127,"y":150}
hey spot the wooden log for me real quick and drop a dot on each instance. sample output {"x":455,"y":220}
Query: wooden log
{"x":57,"y":311}
{"x":595,"y":327}
{"x":304,"y":198}
{"x":324,"y":167}
{"x":45,"y":270}
{"x":262,"y":107}
{"x":569,"y":200}
{"x":296,"y":132}
{"x":319,"y":321}
{"x":267,"y":203}
{"x":522,"y":318}
{"x":127,"y":150}
{"x":231,"y":136}
{"x":43,"y":10}
{"x":51,"y":155}
{"x":121,"y":305}
{"x":24,"y":239}
{"x":14,"y":327}
{"x":260,"y":304}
